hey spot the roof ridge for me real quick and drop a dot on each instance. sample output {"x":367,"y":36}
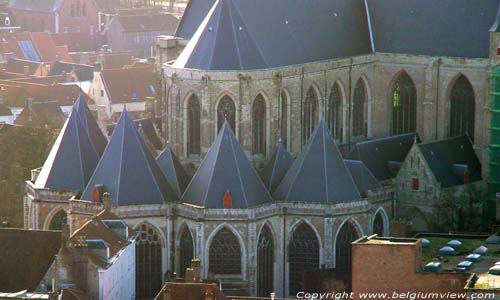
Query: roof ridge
{"x":243,"y":189}
{"x":214,"y":164}
{"x":238,"y":52}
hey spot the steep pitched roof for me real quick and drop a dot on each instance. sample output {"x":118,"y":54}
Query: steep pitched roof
{"x":226,"y":169}
{"x":383,"y":156}
{"x":276,"y":168}
{"x":460,"y":28}
{"x":129,"y":84}
{"x":72,"y":159}
{"x":448,"y":160}
{"x":41,"y":114}
{"x":241,"y":35}
{"x":195,"y":12}
{"x":148,"y":128}
{"x":128,"y":171}
{"x":38,"y":5}
{"x":26,"y":257}
{"x":173,"y":170}
{"x":88,"y":120}
{"x":363,"y":178}
{"x":319,"y":173}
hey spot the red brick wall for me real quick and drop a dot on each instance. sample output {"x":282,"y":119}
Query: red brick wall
{"x":34,"y":21}
{"x":395,"y":268}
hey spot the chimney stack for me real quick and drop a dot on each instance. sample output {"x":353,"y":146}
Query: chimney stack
{"x":80,"y":258}
{"x":107,"y":201}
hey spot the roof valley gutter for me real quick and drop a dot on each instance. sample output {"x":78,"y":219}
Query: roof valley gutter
{"x":369,"y":20}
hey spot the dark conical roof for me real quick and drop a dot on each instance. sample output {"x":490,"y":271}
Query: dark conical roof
{"x":319,"y":174}
{"x":173,"y":170}
{"x":226,"y":169}
{"x":71,"y":161}
{"x":276,"y":168}
{"x":362,"y":176}
{"x":128,"y":171}
{"x":90,"y":124}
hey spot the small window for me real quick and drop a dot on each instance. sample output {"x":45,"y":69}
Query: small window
{"x":415,"y":184}
{"x":102,"y":93}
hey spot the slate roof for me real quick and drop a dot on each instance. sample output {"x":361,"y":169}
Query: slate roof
{"x":456,"y":28}
{"x":226,"y":168}
{"x":319,"y":174}
{"x":38,"y":5}
{"x":148,"y":128}
{"x":98,"y":139}
{"x":241,"y":35}
{"x":382,"y":156}
{"x":445,"y":156}
{"x":173,"y":170}
{"x":128,"y":171}
{"x":363,"y":178}
{"x":193,"y":15}
{"x":276,"y":168}
{"x":26,"y":257}
{"x":71,"y":160}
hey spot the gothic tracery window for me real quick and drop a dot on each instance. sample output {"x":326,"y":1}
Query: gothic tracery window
{"x":226,"y":110}
{"x":265,"y":263}
{"x":225,"y":254}
{"x":259,"y":125}
{"x":404,"y":105}
{"x":310,"y":114}
{"x":303,"y":255}
{"x":58,"y":220}
{"x":148,"y":262}
{"x":186,"y":251}
{"x":462,"y":108}
{"x":193,"y":126}
{"x":359,"y":109}
{"x":334,"y":112}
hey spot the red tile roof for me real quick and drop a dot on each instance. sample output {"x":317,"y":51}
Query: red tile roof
{"x":45,"y":46}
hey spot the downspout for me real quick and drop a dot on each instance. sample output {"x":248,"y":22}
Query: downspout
{"x":439,"y":61}
{"x":284,"y":251}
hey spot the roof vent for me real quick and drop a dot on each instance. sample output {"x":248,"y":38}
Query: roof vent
{"x":473,"y":257}
{"x":426,"y":243}
{"x":464,"y":265}
{"x":118,"y":227}
{"x":455,"y":244}
{"x":481,"y":250}
{"x":447,"y":250}
{"x":433,"y":266}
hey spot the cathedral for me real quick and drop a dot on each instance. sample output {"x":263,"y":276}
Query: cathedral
{"x":266,"y":104}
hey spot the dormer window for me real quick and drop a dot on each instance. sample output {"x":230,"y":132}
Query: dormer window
{"x":99,"y":248}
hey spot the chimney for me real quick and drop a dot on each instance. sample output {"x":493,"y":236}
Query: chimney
{"x":27,"y":71}
{"x":107,"y":201}
{"x":80,"y":259}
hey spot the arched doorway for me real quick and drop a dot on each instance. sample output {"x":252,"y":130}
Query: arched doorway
{"x":225,"y":254}
{"x":259,"y":126}
{"x":148,"y":262}
{"x":378,"y":224}
{"x":58,"y":220}
{"x":186,"y":251}
{"x":343,"y":250}
{"x":226,"y":110}
{"x":303,"y":255}
{"x":404,"y":105}
{"x":310,"y":114}
{"x":462,"y":108}
{"x":265,"y":263}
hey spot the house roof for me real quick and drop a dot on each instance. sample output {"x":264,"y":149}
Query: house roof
{"x":449,"y":158}
{"x":40,"y":114}
{"x":460,"y":28}
{"x":83,"y":72}
{"x":364,"y":179}
{"x":226,"y":168}
{"x":378,"y":155}
{"x":148,"y":22}
{"x":45,"y":46}
{"x":38,"y":5}
{"x":241,"y":35}
{"x":173,"y":170}
{"x":319,"y":174}
{"x":128,"y":171}
{"x":98,"y":139}
{"x":129,"y":84}
{"x":276,"y":168}
{"x":15,"y":65}
{"x":72,"y":160}
{"x":26,"y":257}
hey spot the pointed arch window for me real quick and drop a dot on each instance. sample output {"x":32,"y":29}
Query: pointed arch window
{"x":186,"y":251}
{"x":193,"y":126}
{"x":359,"y":109}
{"x":462,"y":108}
{"x":58,"y":220}
{"x":265,"y":263}
{"x":378,"y":224}
{"x":343,"y":249}
{"x":334,"y":112}
{"x":148,"y":262}
{"x":259,"y":125}
{"x":226,"y":110}
{"x":303,"y":255}
{"x":310,"y":114}
{"x":284,"y":119}
{"x":404,"y":105}
{"x":225,"y":254}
